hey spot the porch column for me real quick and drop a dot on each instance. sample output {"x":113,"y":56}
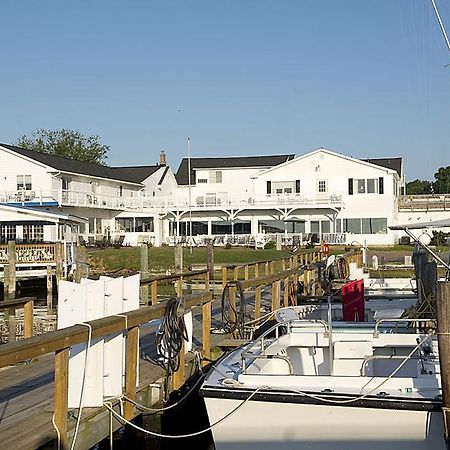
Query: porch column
{"x":209,"y":226}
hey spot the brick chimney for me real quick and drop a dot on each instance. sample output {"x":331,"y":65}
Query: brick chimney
{"x":162,"y":158}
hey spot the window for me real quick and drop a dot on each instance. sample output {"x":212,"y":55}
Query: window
{"x":314,"y":226}
{"x":215,"y":176}
{"x":8,"y":233}
{"x":143,"y":224}
{"x":33,"y":233}
{"x":65,"y":183}
{"x":352,"y":226}
{"x":338,"y":226}
{"x":125,"y":224}
{"x":120,"y":191}
{"x":361,"y":184}
{"x":24,"y":182}
{"x":374,"y":226}
{"x":297,"y":186}
{"x":325,"y":224}
{"x":322,"y":186}
{"x":372,"y":186}
{"x":202,"y":180}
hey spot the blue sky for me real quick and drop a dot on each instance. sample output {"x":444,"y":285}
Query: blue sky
{"x":360,"y":77}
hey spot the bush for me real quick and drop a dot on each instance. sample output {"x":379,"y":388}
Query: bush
{"x":439,"y":238}
{"x":270,"y":245}
{"x":228,"y":246}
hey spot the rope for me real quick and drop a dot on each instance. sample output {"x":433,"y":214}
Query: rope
{"x":108,"y":405}
{"x":171,"y":334}
{"x":80,"y":407}
{"x":341,"y":402}
{"x":233,"y":316}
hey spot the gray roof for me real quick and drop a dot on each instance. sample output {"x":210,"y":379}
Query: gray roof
{"x":227,"y":163}
{"x":128,"y":174}
{"x":388,"y":163}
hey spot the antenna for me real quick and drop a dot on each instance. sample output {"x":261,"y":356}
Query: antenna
{"x":436,"y":11}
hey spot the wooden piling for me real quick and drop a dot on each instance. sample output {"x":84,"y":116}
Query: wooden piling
{"x":50,"y":289}
{"x":443,"y":325}
{"x":59,"y":262}
{"x":143,"y":258}
{"x":178,"y":259}
{"x":28,"y":318}
{"x":210,"y":249}
{"x":206,"y":332}
{"x":154,"y":292}
{"x":258,"y":302}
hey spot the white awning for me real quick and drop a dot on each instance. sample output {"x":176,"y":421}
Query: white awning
{"x":443,"y":223}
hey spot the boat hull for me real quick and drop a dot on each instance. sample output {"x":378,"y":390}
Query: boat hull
{"x":282,"y":425}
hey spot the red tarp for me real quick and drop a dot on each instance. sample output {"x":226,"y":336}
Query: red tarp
{"x":352,"y":295}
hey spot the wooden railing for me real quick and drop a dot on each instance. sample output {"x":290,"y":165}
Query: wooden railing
{"x":30,"y":253}
{"x":10,"y":307}
{"x":60,"y":341}
{"x":424,"y":202}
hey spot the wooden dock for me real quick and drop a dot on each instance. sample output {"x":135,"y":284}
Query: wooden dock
{"x":30,"y":400}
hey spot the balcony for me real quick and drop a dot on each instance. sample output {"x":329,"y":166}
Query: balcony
{"x":431,"y":202}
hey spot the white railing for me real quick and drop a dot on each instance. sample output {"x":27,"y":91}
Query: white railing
{"x":141,"y":202}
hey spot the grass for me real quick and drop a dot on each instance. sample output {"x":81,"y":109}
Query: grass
{"x":161,"y":259}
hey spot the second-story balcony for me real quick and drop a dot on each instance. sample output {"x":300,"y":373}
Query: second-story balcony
{"x":159,"y":204}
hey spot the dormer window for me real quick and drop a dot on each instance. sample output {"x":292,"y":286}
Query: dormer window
{"x":215,"y":176}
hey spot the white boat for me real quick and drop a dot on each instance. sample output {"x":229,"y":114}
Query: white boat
{"x":305,"y":385}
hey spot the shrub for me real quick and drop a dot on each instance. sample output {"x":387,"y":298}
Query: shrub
{"x":270,"y":245}
{"x":228,"y":246}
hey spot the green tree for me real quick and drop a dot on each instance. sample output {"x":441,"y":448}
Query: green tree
{"x":67,"y":143}
{"x":418,"y":187}
{"x":442,"y":183}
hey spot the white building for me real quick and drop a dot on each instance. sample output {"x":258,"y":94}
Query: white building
{"x":322,"y":195}
{"x":325,"y":194}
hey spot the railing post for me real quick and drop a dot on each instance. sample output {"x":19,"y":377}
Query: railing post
{"x":246,"y":272}
{"x":286,"y":292}
{"x":224,"y":276}
{"x":154,"y":292}
{"x":179,"y":288}
{"x":236,"y":273}
{"x":258,"y":302}
{"x":275,"y":295}
{"x":61,"y":394}
{"x":12,"y":261}
{"x":59,"y":261}
{"x":267,"y":268}
{"x":143,"y":253}
{"x":207,"y":275}
{"x":130,"y":370}
{"x":256,"y":270}
{"x":28,"y":318}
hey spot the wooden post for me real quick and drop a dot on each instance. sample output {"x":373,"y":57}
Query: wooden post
{"x":59,"y":262}
{"x":232,"y":292}
{"x":50,"y":289}
{"x":256,"y":270}
{"x":61,"y":394}
{"x":130,"y":370}
{"x":236,"y":273}
{"x":179,"y":287}
{"x":272,"y":267}
{"x":275,"y":295}
{"x":6,"y":282}
{"x":207,"y":275}
{"x":28,"y":319}
{"x":11,"y":325}
{"x":178,"y":258}
{"x":286,"y":292}
{"x":12,"y":261}
{"x":224,"y":276}
{"x":206,"y":329}
{"x":443,"y":322}
{"x":283,"y":264}
{"x":267,"y":268}
{"x":258,"y":302}
{"x":210,"y":249}
{"x":246,"y":272}
{"x":82,"y":267}
{"x":154,"y":291}
{"x":143,"y":257}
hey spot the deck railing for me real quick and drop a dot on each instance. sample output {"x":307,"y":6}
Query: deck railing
{"x":424,"y":202}
{"x":60,"y":341}
{"x":30,"y":253}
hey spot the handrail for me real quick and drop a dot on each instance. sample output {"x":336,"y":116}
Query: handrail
{"x":376,"y":332}
{"x":17,"y":303}
{"x":246,"y":355}
{"x":174,"y":276}
{"x":54,"y":341}
{"x":368,"y":358}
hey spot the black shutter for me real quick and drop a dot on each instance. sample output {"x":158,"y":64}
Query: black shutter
{"x":269,"y":187}
{"x":297,"y":186}
{"x":350,"y":186}
{"x":381,"y":185}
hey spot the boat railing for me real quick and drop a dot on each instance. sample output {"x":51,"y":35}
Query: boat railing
{"x":376,"y":332}
{"x":261,"y":341}
{"x":369,"y":358}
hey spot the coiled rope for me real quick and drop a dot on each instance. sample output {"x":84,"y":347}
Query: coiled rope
{"x":171,"y":334}
{"x":233,"y":315}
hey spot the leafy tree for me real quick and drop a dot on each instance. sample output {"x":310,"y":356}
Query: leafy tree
{"x":419,"y":187}
{"x":442,"y":183}
{"x":67,"y":143}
